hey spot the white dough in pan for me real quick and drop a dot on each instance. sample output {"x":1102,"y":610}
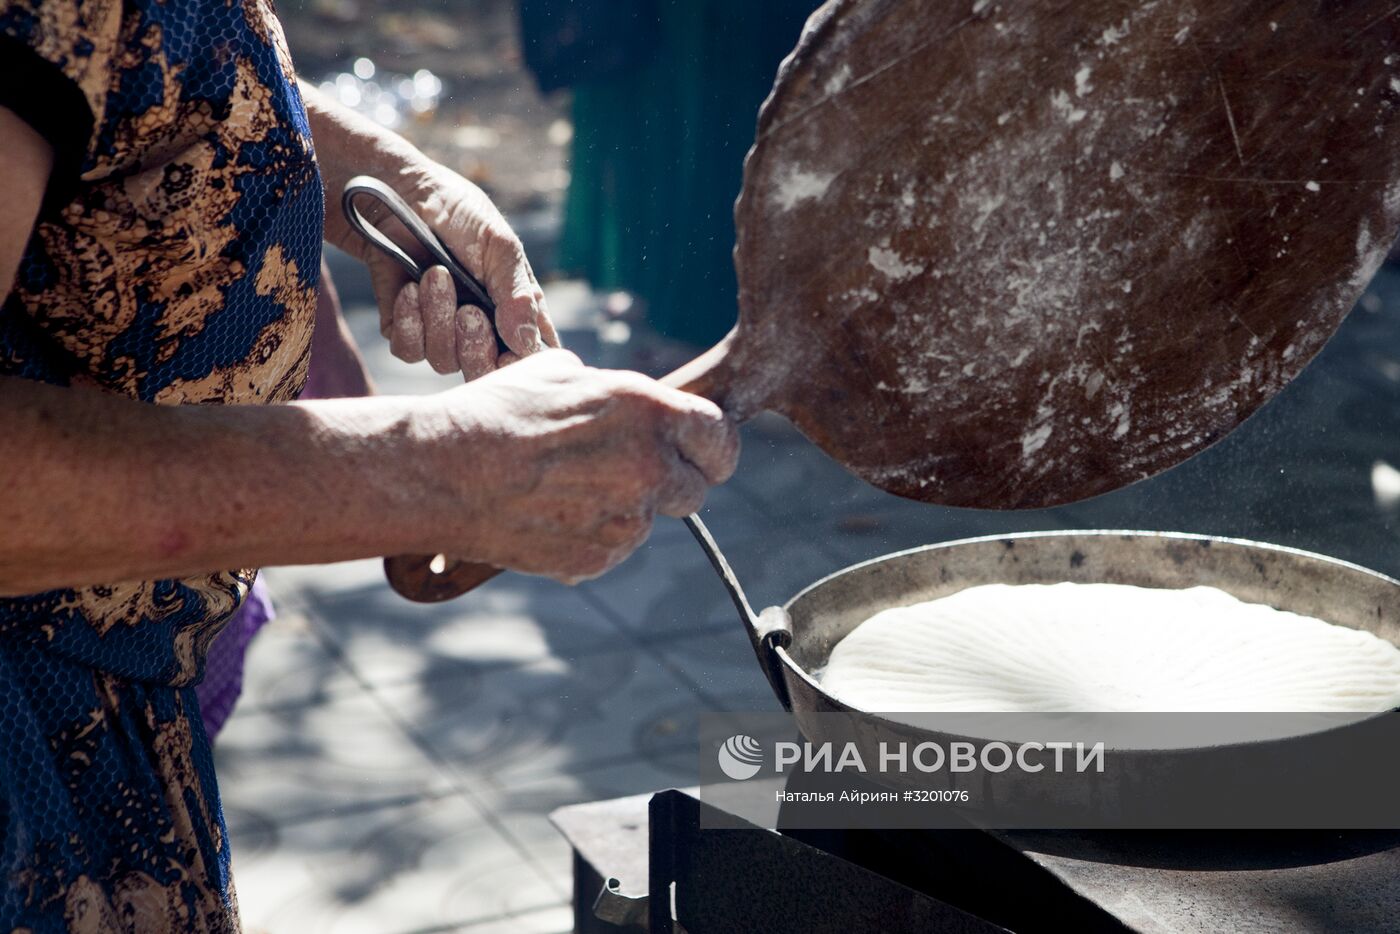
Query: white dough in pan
{"x":1107,"y":647}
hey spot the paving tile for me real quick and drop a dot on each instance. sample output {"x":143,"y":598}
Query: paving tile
{"x":391,"y":376}
{"x":427,"y":865}
{"x":1268,"y":482}
{"x":721,"y":663}
{"x":556,"y":920}
{"x":786,"y":476}
{"x":670,"y":586}
{"x":342,"y":754}
{"x":523,"y":805}
{"x":304,"y":585}
{"x":287,"y":664}
{"x":724,"y":504}
{"x":510,"y":620}
{"x":553,"y":715}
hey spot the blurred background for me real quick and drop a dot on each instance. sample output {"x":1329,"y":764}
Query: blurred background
{"x":390,"y":767}
{"x":611,"y":134}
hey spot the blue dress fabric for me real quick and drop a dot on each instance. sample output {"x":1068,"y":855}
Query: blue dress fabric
{"x":175,"y":263}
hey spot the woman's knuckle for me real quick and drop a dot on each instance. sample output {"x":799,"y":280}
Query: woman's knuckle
{"x":628,"y":528}
{"x":500,"y":245}
{"x":596,"y":559}
{"x":691,"y":500}
{"x":651,"y":471}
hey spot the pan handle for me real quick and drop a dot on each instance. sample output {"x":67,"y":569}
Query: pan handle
{"x":434,"y":578}
{"x":768,"y":631}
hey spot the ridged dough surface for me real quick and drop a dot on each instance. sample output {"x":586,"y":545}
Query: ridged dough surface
{"x":1107,"y":647}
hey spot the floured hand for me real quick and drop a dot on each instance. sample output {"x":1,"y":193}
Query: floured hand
{"x":423,"y":320}
{"x":568,"y":465}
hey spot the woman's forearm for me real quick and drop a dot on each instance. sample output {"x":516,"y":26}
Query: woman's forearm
{"x":24,"y":173}
{"x":97,"y":488}
{"x":546,"y":466}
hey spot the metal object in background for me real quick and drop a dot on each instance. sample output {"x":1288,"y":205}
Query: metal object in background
{"x":623,"y":911}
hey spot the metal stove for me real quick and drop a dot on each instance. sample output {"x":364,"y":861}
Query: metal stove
{"x":646,"y":864}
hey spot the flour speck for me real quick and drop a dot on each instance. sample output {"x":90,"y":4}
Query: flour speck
{"x":1034,"y":440}
{"x":799,"y":185}
{"x":892,"y":264}
{"x":1060,"y":100}
{"x":1115,"y":34}
{"x":837,"y":82}
{"x":1081,"y":82}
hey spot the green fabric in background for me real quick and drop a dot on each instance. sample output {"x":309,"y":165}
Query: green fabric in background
{"x":658,"y":157}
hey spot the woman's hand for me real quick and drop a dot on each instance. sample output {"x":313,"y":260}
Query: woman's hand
{"x":422,"y":320}
{"x":569,"y":464}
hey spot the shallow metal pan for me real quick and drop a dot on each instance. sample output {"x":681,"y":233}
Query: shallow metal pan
{"x":795,"y":640}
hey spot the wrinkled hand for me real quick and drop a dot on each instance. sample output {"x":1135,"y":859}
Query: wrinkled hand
{"x":571,"y":464}
{"x":423,"y":320}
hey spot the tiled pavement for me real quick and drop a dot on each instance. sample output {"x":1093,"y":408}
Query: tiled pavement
{"x":391,"y":765}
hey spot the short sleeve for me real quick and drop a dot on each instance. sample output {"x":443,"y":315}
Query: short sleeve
{"x":56,"y":61}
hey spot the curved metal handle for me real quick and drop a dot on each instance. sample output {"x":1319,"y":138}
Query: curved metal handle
{"x":768,"y":631}
{"x":469,"y":288}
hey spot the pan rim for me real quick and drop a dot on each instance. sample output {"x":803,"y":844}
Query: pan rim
{"x":793,"y":670}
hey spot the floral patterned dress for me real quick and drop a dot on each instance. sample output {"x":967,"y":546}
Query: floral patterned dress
{"x":175,"y":262}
